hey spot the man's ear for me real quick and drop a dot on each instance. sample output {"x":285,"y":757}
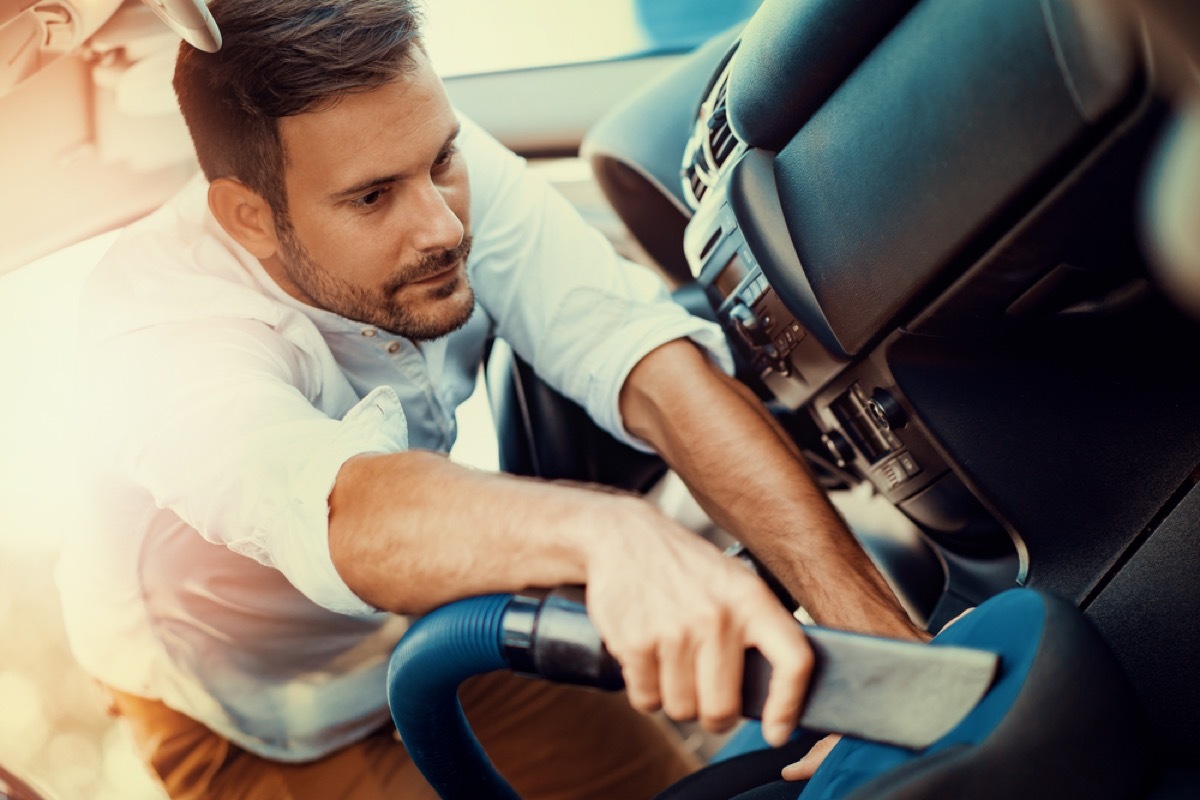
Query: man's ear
{"x":245,"y":216}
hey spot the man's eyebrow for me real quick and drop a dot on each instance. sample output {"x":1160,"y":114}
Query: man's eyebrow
{"x":371,"y":183}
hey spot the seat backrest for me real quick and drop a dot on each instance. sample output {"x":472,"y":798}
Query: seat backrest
{"x":541,"y":433}
{"x":1061,"y":721}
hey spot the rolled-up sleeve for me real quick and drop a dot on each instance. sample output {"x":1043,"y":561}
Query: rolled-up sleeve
{"x":216,"y":421}
{"x":568,"y":304}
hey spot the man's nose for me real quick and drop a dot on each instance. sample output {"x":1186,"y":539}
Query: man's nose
{"x":436,"y":226}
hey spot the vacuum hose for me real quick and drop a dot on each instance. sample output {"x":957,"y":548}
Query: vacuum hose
{"x":543,"y":634}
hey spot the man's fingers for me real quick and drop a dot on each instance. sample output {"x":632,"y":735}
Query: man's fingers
{"x":681,"y":644}
{"x":719,"y":663}
{"x":803,"y":769}
{"x":791,"y":659}
{"x":639,"y":667}
{"x":677,"y":677}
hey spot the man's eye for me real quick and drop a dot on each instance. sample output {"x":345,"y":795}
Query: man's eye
{"x":444,"y":159}
{"x":370,"y":199}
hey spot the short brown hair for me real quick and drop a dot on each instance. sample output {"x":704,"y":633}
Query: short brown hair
{"x":281,"y":58}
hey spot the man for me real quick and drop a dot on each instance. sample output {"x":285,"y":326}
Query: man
{"x":274,"y":362}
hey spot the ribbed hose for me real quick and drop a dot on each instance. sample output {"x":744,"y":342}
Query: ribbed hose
{"x":440,"y":651}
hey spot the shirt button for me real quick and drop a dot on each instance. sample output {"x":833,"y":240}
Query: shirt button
{"x":368,"y":332}
{"x":393,"y":347}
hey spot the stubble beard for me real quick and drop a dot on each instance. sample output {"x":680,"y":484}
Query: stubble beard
{"x":381,"y":308}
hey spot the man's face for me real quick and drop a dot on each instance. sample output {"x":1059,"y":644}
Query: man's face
{"x":378,"y":202}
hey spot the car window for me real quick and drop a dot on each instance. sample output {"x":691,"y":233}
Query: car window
{"x":463,"y":35}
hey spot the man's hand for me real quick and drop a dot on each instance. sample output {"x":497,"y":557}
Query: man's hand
{"x":413,"y":531}
{"x":752,"y":480}
{"x":678,"y":616}
{"x":804,"y":769}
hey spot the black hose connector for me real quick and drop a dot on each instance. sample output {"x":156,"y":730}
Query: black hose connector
{"x":564,"y":646}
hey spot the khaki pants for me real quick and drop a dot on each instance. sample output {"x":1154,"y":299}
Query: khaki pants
{"x":551,"y":742}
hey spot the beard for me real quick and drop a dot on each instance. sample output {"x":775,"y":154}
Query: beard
{"x":432,"y":315}
{"x":431,"y":312}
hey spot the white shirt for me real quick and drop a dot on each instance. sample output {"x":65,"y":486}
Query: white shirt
{"x":220,"y":410}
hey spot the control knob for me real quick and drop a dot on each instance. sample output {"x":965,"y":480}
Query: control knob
{"x":886,"y":410}
{"x":749,"y":324}
{"x":839,"y":448}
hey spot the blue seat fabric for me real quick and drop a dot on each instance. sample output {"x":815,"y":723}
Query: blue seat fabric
{"x":1011,"y":625}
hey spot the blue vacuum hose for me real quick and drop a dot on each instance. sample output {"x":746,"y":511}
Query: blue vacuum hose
{"x":545,"y":634}
{"x":440,"y":651}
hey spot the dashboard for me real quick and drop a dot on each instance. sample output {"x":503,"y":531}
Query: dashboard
{"x":926,"y":227}
{"x":916,"y":223}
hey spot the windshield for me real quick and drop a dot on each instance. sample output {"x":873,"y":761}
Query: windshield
{"x":463,"y":35}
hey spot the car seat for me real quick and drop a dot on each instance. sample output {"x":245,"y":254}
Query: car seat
{"x":1060,"y":721}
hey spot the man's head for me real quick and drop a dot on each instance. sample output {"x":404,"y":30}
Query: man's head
{"x":328,"y":142}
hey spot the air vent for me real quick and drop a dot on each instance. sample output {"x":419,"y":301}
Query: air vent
{"x":713,"y":143}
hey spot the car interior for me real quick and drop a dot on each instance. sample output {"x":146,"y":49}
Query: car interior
{"x":954,"y":248}
{"x":929,"y":230}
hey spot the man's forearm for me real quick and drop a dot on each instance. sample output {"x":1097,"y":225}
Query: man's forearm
{"x":412,"y":531}
{"x":750,"y":477}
